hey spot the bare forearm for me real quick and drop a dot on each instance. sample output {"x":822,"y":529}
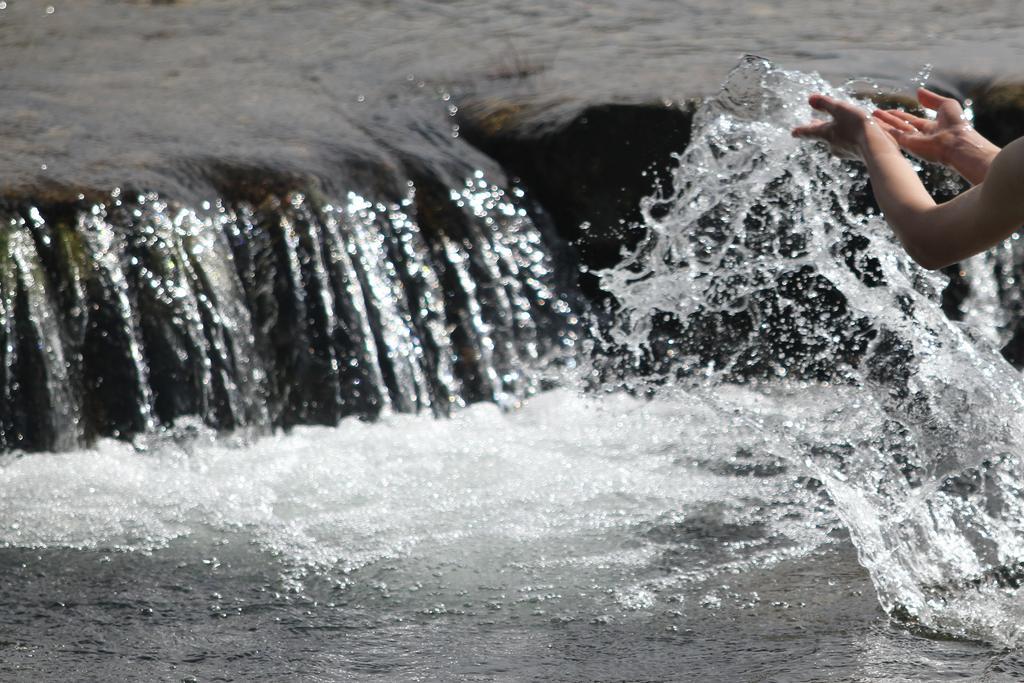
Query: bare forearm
{"x":937,"y":235}
{"x":934,"y":235}
{"x":900,"y":194}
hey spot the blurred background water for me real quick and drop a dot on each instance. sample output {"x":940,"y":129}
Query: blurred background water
{"x":95,"y":89}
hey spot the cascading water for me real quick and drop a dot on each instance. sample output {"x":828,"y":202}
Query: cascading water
{"x":124,"y":313}
{"x":759,"y":268}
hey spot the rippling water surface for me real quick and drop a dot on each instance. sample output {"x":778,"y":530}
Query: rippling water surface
{"x":97,"y":90}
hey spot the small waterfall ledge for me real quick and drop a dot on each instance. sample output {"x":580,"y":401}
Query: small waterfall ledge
{"x":127,"y":311}
{"x":277,"y":302}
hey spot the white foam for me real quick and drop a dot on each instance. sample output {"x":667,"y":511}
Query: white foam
{"x":547,"y":480}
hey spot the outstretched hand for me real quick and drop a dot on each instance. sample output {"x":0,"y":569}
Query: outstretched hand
{"x":947,"y":139}
{"x":845,"y":132}
{"x":935,"y":235}
{"x":929,"y":139}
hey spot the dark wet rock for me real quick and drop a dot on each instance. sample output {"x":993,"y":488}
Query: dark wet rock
{"x":998,"y":110}
{"x":277,"y":306}
{"x":590,"y":171}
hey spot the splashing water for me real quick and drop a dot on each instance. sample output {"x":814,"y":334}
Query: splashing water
{"x":762,"y":266}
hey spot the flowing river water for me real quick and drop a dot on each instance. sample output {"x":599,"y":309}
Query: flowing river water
{"x":777,"y":460}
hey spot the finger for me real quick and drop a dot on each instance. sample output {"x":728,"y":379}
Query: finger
{"x":950,"y":112}
{"x":913,"y":141}
{"x":892,"y":120}
{"x":817,"y":129}
{"x":915,"y":121}
{"x":905,"y":139}
{"x":884,"y":125}
{"x":891,"y":131}
{"x":931,"y":100}
{"x":915,"y":144}
{"x":823,"y":103}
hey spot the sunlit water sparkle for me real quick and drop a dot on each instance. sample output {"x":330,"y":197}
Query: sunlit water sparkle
{"x":759,"y":239}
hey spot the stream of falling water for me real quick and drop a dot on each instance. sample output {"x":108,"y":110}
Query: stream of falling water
{"x":921,"y":446}
{"x":124,"y":314}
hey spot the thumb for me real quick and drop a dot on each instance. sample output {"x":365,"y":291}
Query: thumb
{"x":931,"y":100}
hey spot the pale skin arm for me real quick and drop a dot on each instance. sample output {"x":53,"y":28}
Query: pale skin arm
{"x":935,"y":235}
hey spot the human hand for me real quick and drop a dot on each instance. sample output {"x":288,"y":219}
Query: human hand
{"x":846,"y":132}
{"x":947,"y":139}
{"x":929,"y":139}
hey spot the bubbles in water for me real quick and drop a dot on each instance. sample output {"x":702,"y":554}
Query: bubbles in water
{"x":762,"y":263}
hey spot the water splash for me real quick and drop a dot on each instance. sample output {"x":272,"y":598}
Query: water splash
{"x":761,"y":265}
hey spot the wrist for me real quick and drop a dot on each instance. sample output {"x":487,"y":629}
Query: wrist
{"x":969,"y":154}
{"x":871,"y":139}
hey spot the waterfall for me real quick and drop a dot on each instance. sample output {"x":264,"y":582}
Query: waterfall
{"x":125,"y":312}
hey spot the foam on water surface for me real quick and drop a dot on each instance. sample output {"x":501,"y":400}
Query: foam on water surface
{"x":566,"y":481}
